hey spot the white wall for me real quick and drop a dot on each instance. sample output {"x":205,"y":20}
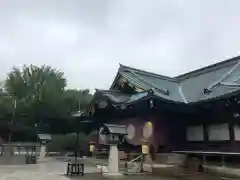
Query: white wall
{"x":237,"y":132}
{"x":218,"y":132}
{"x":195,"y":133}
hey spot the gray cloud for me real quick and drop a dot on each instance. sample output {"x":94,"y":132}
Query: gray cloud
{"x":88,"y":38}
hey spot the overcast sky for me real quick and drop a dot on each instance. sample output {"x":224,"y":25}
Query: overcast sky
{"x":87,"y":39}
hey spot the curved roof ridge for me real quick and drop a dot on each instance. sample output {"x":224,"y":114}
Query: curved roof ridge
{"x":147,"y":73}
{"x":230,"y":84}
{"x":225,"y":76}
{"x":181,"y":93}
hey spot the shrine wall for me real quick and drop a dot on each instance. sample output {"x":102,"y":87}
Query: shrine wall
{"x":150,"y":130}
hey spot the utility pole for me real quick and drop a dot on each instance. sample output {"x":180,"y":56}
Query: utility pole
{"x":12,"y":122}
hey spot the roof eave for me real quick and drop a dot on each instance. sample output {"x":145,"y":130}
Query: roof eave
{"x":228,"y":95}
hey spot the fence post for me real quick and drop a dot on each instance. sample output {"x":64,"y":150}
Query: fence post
{"x":126,"y":166}
{"x":142,"y":163}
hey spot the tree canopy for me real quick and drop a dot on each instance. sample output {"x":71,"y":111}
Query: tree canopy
{"x":38,"y":98}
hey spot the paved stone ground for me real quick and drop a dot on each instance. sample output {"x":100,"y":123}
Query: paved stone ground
{"x":52,"y":169}
{"x":94,"y":176}
{"x":46,"y":170}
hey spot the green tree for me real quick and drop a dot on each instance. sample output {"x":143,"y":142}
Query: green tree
{"x":35,"y":83}
{"x":38,"y":91}
{"x":76,"y":100}
{"x":41,"y":99}
{"x":68,"y":142}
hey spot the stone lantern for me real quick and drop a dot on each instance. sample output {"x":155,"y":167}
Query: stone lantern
{"x":114,"y":135}
{"x":44,"y":139}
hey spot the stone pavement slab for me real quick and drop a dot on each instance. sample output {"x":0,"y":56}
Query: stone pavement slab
{"x":48,"y":170}
{"x":55,"y":170}
{"x":97,"y":176}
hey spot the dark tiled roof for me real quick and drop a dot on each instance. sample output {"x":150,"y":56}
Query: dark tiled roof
{"x":217,"y":92}
{"x":45,"y":137}
{"x":209,"y":68}
{"x":115,"y":129}
{"x":147,"y":81}
{"x":206,"y":83}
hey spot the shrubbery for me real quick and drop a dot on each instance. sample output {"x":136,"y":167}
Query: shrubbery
{"x":64,"y":143}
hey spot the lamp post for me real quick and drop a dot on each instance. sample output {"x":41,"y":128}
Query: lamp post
{"x":79,"y":117}
{"x":37,"y":131}
{"x":36,"y":127}
{"x":76,"y":150}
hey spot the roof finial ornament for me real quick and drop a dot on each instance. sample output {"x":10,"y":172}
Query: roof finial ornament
{"x":207,"y":90}
{"x":151,"y":91}
{"x":166,"y":92}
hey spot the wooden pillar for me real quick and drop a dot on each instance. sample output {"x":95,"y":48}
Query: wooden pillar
{"x":205,"y":136}
{"x":223,"y":161}
{"x":204,"y":159}
{"x":231,"y":133}
{"x":205,"y":143}
{"x":19,"y":150}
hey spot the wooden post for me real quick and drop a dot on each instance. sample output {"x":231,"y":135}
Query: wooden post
{"x":204,"y":159}
{"x":231,"y":133}
{"x":126,"y":166}
{"x":142,"y":160}
{"x":76,"y":151}
{"x":223,"y":161}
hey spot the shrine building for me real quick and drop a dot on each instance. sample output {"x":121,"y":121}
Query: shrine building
{"x":196,"y":111}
